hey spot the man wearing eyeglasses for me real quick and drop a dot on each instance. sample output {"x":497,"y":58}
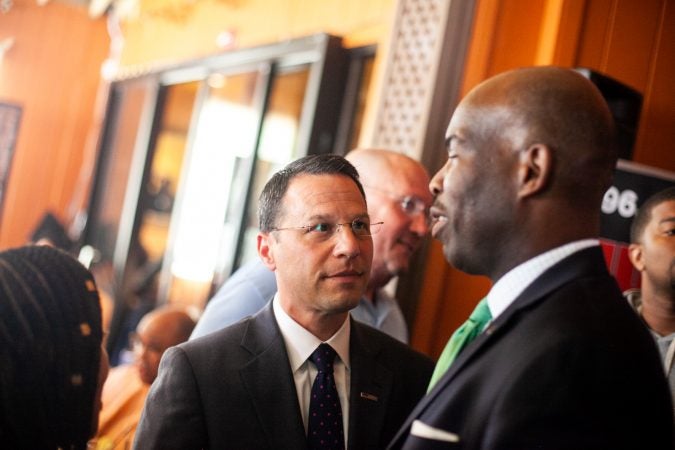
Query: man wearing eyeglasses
{"x":300,"y":373}
{"x":396,"y":188}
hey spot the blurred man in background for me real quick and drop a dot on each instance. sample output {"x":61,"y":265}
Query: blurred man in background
{"x":127,"y":386}
{"x":652,"y":252}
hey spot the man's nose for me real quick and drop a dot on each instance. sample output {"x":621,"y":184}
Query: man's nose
{"x":420,"y":223}
{"x":346,"y":242}
{"x":436,"y":183}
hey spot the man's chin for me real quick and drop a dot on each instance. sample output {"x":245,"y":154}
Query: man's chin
{"x":346,"y":303}
{"x":399,"y":262}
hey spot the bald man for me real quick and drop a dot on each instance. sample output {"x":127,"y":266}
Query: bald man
{"x":127,"y":386}
{"x":564,"y":362}
{"x":397,"y":194}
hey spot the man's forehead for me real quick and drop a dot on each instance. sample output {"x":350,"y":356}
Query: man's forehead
{"x":413,"y":186}
{"x":406,"y":179}
{"x":664,"y":211}
{"x":458,"y":121}
{"x":307,"y":183}
{"x":306,"y":192}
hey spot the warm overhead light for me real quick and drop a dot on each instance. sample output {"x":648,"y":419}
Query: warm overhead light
{"x":98,"y":7}
{"x":226,"y":39}
{"x":5,"y":6}
{"x":5,"y":45}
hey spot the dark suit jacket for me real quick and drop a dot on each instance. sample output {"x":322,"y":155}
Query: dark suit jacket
{"x":567,"y":365}
{"x":234,"y":389}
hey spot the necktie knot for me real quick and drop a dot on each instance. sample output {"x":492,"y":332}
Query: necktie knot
{"x":481,"y":315}
{"x":323,"y":357}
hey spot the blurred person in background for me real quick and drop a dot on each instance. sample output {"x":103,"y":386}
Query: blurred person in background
{"x":52,"y":363}
{"x":652,"y":252}
{"x":127,"y":386}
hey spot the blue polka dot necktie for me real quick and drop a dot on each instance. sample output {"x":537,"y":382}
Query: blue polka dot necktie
{"x":324,"y":425}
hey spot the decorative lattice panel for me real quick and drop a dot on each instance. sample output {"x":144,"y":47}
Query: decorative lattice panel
{"x":410,"y":75}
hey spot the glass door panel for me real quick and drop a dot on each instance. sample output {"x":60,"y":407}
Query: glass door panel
{"x":151,"y":180}
{"x":277,"y":146}
{"x":214,"y":190}
{"x":130,"y":103}
{"x":158,"y":191}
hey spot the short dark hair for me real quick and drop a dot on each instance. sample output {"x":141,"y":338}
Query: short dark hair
{"x":50,"y":348}
{"x":269,"y":204}
{"x":644,"y":214}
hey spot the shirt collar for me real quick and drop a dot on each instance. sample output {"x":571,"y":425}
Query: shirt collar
{"x":515,"y":281}
{"x":300,"y":343}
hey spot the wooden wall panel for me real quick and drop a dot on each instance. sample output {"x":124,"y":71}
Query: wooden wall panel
{"x":618,"y":38}
{"x":516,"y":34}
{"x":634,"y":33}
{"x":52,"y":72}
{"x":656,"y":137}
{"x":595,"y":37}
{"x":634,"y":42}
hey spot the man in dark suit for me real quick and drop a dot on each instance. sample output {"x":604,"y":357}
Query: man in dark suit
{"x":564,"y":363}
{"x":252,"y":385}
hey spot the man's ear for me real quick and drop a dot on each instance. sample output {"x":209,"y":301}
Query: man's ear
{"x":635,"y":256}
{"x":535,"y":168}
{"x":265,"y":250}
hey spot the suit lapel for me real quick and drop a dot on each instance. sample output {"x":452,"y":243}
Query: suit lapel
{"x":370,"y":389}
{"x":582,"y":263}
{"x":269,"y":382}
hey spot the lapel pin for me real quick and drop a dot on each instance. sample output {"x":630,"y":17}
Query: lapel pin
{"x":368,"y":396}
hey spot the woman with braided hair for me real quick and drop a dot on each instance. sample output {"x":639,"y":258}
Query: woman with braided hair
{"x":52,"y":364}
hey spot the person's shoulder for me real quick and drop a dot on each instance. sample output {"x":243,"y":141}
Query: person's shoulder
{"x":390,"y":348}
{"x":122,"y":378}
{"x":253,"y":272}
{"x":223,"y":339}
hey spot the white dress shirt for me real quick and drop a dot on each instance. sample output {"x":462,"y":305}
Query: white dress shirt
{"x":300,"y":344}
{"x":515,"y":281}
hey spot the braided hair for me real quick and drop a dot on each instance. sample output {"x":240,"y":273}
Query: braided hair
{"x":50,"y":349}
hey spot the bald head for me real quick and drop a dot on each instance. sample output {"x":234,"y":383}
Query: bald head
{"x":376,"y":166}
{"x":174,"y":325}
{"x":563,"y":110}
{"x":397,"y":192}
{"x":157,"y":331}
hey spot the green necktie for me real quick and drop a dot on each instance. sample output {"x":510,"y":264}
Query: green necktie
{"x":460,"y":339}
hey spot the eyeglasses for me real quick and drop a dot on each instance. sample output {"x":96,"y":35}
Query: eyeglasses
{"x":325,"y":230}
{"x":413,"y":206}
{"x":410,"y":204}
